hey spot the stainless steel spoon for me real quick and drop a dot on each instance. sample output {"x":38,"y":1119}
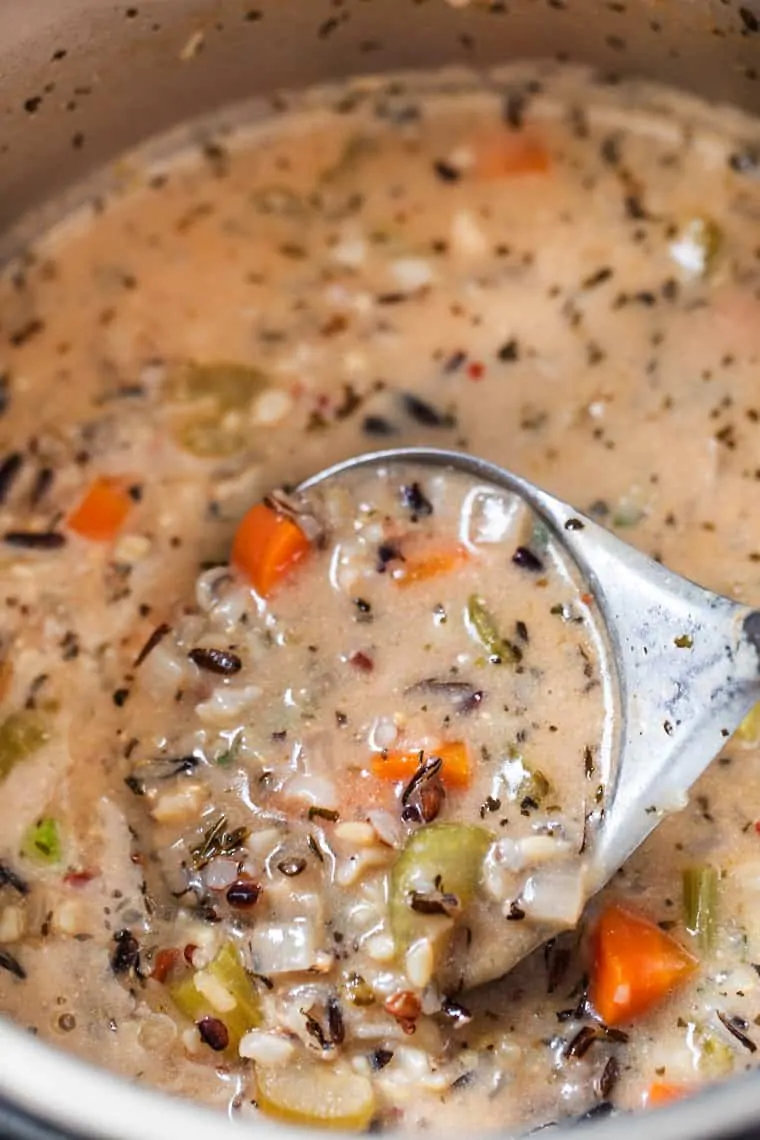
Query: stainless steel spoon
{"x":684,"y":663}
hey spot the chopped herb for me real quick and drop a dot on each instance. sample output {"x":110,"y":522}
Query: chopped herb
{"x":42,"y":841}
{"x":315,"y":1030}
{"x":358,"y":991}
{"x":335,"y":1022}
{"x":683,"y":641}
{"x":218,"y":841}
{"x":434,"y":902}
{"x":509,"y":352}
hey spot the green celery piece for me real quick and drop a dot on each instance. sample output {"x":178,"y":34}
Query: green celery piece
{"x":715,"y":1058}
{"x":42,"y":842}
{"x":311,"y":1093}
{"x":208,"y":437}
{"x":483,"y":624}
{"x":22,"y":733}
{"x":700,"y":903}
{"x":228,"y":969}
{"x":749,"y":729}
{"x":230,"y":386}
{"x":214,"y":391}
{"x":449,"y":854}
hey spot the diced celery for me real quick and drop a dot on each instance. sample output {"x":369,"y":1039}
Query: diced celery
{"x":312,"y":1093}
{"x":749,"y":729}
{"x":444,"y":857}
{"x":22,"y":733}
{"x":220,"y":395}
{"x":483,"y":625}
{"x":700,"y":903}
{"x":227,"y":969}
{"x":42,"y":841}
{"x":229,"y":386}
{"x":209,"y":437}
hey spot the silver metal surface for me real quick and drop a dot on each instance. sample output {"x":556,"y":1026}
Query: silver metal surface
{"x":685,"y":661}
{"x":81,"y":80}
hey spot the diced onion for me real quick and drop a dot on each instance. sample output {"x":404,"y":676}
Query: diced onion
{"x":220,"y":873}
{"x":283,"y":948}
{"x":555,"y":896}
{"x":315,"y":791}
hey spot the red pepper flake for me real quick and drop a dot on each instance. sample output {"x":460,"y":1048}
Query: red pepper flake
{"x":188,"y":952}
{"x":164,"y":962}
{"x":362,"y":662}
{"x":757,"y":826}
{"x":79,"y":878}
{"x":405,"y":1007}
{"x":587,"y":599}
{"x":475,"y":370}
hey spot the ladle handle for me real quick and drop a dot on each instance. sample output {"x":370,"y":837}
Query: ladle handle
{"x":688,"y":672}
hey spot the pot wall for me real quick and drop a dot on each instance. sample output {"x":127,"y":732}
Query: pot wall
{"x":82,"y":80}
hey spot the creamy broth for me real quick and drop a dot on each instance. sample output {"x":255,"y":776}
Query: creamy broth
{"x":548,"y":272}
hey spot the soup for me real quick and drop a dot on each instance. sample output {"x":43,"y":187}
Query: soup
{"x":286,"y":777}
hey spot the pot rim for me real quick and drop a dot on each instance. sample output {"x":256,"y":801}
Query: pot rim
{"x":73,"y":1098}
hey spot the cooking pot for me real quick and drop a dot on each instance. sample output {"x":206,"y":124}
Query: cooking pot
{"x":83,"y":80}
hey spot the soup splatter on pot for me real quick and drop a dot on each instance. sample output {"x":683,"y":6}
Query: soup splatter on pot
{"x":274,"y":767}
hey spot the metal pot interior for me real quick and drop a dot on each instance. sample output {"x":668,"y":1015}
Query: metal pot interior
{"x":81,"y":81}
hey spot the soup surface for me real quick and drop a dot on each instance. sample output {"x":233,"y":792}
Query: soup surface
{"x":279,"y":774}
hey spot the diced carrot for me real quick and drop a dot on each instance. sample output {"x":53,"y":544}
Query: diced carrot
{"x":266,"y":548}
{"x":664,"y":1092}
{"x":102,"y":511}
{"x":508,"y":155}
{"x":635,"y":965}
{"x":426,"y":566}
{"x":164,"y":962}
{"x":456,"y":771}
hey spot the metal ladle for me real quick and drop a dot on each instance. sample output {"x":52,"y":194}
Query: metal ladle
{"x":684,"y":663}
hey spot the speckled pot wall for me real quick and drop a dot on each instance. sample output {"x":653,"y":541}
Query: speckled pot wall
{"x":81,"y":80}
